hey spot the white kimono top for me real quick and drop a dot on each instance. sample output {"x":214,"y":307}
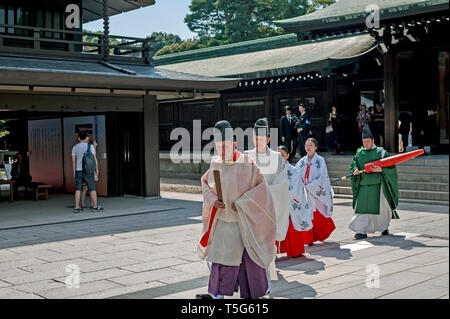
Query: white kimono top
{"x":273,"y":168}
{"x":300,"y":210}
{"x":319,"y":193}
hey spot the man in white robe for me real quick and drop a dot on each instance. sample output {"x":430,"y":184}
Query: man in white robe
{"x":273,"y":167}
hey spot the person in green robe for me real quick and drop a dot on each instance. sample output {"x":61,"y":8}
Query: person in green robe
{"x":375,"y":194}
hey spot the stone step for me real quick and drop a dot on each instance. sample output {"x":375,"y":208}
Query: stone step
{"x":429,"y":170}
{"x":181,"y":175}
{"x":403,"y":200}
{"x":406,"y":177}
{"x":410,"y":194}
{"x":425,"y":186}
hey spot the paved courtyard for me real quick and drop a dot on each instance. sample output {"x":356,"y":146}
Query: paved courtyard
{"x":147,"y":249}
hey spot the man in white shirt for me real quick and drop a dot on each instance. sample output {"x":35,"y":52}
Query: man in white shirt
{"x":81,"y":176}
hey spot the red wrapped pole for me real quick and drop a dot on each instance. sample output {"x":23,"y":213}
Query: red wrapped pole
{"x":392,"y":160}
{"x":385,"y":162}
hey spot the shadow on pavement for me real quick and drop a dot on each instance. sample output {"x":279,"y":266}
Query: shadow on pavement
{"x":397,"y":241}
{"x":283,"y":288}
{"x":330,"y":249}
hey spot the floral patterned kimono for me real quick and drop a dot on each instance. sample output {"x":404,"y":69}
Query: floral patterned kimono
{"x":300,"y":217}
{"x":319,"y":194}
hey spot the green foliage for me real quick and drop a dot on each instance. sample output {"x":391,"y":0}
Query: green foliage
{"x":3,"y":129}
{"x":163,"y":39}
{"x":230,"y":21}
{"x":180,"y":47}
{"x":319,"y":4}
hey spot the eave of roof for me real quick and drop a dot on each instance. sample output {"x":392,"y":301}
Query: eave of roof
{"x":307,"y":56}
{"x":20,"y":70}
{"x":351,"y":12}
{"x":228,"y":49}
{"x":93,"y":9}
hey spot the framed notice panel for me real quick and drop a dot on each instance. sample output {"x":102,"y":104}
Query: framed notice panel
{"x":45,"y":149}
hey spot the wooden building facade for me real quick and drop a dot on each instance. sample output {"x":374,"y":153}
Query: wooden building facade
{"x":331,"y":57}
{"x":53,"y":84}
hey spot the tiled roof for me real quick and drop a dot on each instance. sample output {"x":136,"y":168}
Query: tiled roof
{"x":347,"y":10}
{"x":303,"y":57}
{"x":66,"y":72}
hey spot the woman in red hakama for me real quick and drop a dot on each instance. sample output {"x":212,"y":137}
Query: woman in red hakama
{"x":300,"y":224}
{"x":319,"y":193}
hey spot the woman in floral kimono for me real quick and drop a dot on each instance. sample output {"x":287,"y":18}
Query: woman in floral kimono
{"x":319,"y":194}
{"x":300,"y":222}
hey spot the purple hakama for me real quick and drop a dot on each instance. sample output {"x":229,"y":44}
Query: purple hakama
{"x":249,"y":277}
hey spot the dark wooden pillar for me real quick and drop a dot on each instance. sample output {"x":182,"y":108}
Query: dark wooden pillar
{"x":391,"y":105}
{"x":268,"y":107}
{"x":151,"y":146}
{"x":331,"y":93}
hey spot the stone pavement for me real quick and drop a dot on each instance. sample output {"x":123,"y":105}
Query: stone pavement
{"x":152,"y":254}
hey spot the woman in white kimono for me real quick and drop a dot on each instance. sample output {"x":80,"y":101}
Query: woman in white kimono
{"x":314,"y":175}
{"x":300,"y":222}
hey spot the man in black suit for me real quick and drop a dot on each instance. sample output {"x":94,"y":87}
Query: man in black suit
{"x":288,"y":132}
{"x":303,"y":127}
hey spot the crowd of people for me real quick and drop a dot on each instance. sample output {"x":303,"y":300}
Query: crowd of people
{"x":295,"y":130}
{"x":257,"y":205}
{"x":412,"y":129}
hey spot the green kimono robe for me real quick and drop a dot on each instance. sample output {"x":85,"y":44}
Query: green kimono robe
{"x":366,"y":186}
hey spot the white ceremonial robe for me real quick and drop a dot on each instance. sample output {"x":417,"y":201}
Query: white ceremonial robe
{"x":272,"y":166}
{"x":319,"y":192}
{"x":300,"y":211}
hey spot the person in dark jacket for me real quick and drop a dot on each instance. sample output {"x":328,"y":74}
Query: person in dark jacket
{"x":303,"y":126}
{"x":335,"y":120}
{"x":20,"y":174}
{"x":287,"y":131}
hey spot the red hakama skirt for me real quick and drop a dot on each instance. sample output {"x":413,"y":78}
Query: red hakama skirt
{"x":322,"y":227}
{"x":293,"y":245}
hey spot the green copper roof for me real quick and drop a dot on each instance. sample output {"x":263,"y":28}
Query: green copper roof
{"x":345,"y":11}
{"x":228,"y":49}
{"x":307,"y":56}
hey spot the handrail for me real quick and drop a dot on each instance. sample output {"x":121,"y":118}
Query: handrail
{"x":37,"y":36}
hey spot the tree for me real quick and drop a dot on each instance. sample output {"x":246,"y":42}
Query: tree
{"x":238,"y":20}
{"x":319,"y":4}
{"x":163,"y":39}
{"x":180,"y":47}
{"x":219,"y":22}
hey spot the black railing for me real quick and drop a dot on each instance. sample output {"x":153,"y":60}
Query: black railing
{"x":15,"y":38}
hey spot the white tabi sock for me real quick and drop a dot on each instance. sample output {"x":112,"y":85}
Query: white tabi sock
{"x":217,"y":297}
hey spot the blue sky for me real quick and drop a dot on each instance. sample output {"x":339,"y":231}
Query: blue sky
{"x":164,"y":16}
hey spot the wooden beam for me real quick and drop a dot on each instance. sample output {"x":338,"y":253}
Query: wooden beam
{"x":151,"y":146}
{"x":391,"y":105}
{"x":40,"y":101}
